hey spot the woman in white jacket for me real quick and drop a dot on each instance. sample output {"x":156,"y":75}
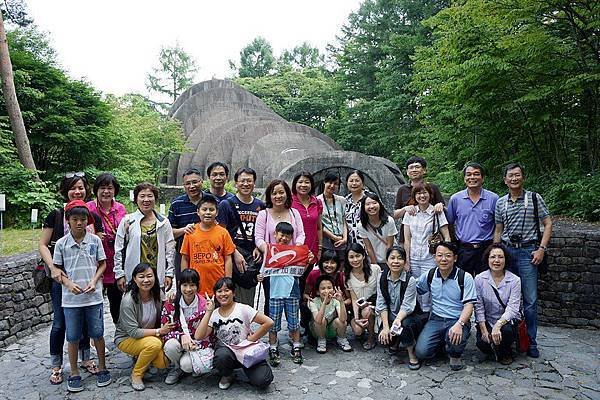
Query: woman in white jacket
{"x":147,"y":237}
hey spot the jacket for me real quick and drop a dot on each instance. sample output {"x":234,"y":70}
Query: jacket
{"x":130,"y":319}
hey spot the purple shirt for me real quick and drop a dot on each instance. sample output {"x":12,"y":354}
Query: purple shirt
{"x":473,"y":222}
{"x":487,"y":307}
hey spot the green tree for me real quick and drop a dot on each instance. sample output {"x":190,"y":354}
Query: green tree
{"x":256,"y":59}
{"x":301,"y":57}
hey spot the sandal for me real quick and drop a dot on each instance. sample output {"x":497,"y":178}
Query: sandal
{"x":90,"y":367}
{"x":414,"y":366}
{"x":369,"y":345}
{"x":56,"y":378}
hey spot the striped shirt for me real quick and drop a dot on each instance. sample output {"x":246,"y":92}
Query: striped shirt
{"x":517,"y":216}
{"x":421,"y":226}
{"x":182,"y":212}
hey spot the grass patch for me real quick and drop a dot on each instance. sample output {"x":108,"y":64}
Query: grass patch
{"x":15,"y":241}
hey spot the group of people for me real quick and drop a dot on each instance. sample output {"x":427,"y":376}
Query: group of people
{"x":182,"y":288}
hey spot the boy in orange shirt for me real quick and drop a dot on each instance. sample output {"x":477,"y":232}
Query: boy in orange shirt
{"x":209,"y":248}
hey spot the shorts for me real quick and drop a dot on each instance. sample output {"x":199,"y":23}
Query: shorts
{"x":91,"y":316}
{"x":330,"y":332}
{"x":291,"y":305}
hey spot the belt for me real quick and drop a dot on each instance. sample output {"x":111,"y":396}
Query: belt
{"x":520,"y":245}
{"x":475,"y":245}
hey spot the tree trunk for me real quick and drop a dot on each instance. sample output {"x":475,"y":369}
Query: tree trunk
{"x":12,"y":104}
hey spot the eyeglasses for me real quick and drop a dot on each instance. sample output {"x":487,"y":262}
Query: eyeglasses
{"x":70,"y":175}
{"x":245,"y":181}
{"x":218,"y":174}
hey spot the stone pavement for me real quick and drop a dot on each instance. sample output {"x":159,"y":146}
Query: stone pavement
{"x":569,"y":368}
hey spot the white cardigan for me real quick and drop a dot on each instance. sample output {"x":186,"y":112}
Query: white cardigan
{"x":166,"y":247}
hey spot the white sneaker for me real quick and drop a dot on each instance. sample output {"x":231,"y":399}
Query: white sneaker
{"x":322,"y":345}
{"x":173,"y":376}
{"x":344,"y":344}
{"x":225,"y":382}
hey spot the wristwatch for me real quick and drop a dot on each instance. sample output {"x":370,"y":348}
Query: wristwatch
{"x":157,"y":332}
{"x":543,"y":247}
{"x":461,"y":323}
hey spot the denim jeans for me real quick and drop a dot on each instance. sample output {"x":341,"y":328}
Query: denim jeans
{"x":57,"y":332}
{"x":77,"y":319}
{"x":524,"y":269}
{"x":435,"y":334}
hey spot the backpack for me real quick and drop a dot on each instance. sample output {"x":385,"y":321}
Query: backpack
{"x":461,"y":280}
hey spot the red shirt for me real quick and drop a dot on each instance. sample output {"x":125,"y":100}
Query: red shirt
{"x":310,"y":217}
{"x":311,"y":279}
{"x":110,"y":223}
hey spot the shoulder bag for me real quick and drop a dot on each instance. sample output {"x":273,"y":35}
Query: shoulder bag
{"x":436,"y":236}
{"x":519,"y":327}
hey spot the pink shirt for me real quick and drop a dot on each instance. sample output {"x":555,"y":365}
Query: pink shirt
{"x":310,"y":217}
{"x":110,"y":222}
{"x":265,"y":228}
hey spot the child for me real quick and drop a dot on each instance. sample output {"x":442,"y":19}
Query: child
{"x":186,"y":312}
{"x":329,"y":264}
{"x":81,"y":255}
{"x":209,"y":248}
{"x":329,"y":315}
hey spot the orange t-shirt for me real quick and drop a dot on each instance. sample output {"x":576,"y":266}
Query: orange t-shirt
{"x":207,"y":251}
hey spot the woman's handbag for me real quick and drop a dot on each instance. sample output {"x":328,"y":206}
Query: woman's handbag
{"x":202,"y":360}
{"x":436,"y":237}
{"x":250,"y":353}
{"x":41,"y":281}
{"x":520,"y":328}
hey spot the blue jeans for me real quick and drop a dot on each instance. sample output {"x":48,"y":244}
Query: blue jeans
{"x":57,"y":332}
{"x":78,"y":319}
{"x":524,"y":269}
{"x":435,"y":334}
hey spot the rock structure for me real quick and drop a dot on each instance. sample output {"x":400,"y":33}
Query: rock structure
{"x":224,"y":122}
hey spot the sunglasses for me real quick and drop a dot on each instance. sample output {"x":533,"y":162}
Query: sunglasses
{"x":70,"y":175}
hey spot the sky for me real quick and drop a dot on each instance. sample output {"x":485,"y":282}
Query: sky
{"x":114,"y":44}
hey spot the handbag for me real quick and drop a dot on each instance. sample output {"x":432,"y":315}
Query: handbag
{"x":41,"y":279}
{"x":436,"y":237}
{"x":543,"y":266}
{"x":522,"y":341}
{"x":250,"y":353}
{"x":202,"y":360}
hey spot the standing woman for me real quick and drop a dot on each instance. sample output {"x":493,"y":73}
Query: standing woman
{"x":111,"y":212}
{"x":335,"y":229}
{"x":377,"y":228}
{"x":362,"y":278}
{"x":139,"y":330}
{"x":278,"y":200}
{"x":74,"y":186}
{"x":355,"y":181}
{"x":147,"y":237}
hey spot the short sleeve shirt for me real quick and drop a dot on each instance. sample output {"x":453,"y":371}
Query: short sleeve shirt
{"x":518,"y":217}
{"x":362,"y":288}
{"x":473,"y":222}
{"x":80,"y":263}
{"x":235,"y":327}
{"x":445,"y":293}
{"x":333,"y":214}
{"x":332,"y":310}
{"x":352,"y":212}
{"x":247,"y":217}
{"x":421,"y":227}
{"x":378,"y":237}
{"x":310,"y":218}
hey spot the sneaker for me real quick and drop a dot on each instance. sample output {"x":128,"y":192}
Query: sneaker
{"x":506,"y":360}
{"x":291,"y":342}
{"x":344,"y":344}
{"x":225,"y":382}
{"x":103,"y":378}
{"x":173,"y":376}
{"x":296,"y":354}
{"x":274,"y":357}
{"x":455,"y":363}
{"x":533,"y":352}
{"x":322,"y":346}
{"x":74,"y":384}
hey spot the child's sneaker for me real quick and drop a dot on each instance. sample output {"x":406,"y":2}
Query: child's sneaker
{"x":296,"y":354}
{"x":74,"y":384}
{"x":344,"y":344}
{"x":103,"y":378}
{"x":274,"y":357}
{"x":322,"y":346}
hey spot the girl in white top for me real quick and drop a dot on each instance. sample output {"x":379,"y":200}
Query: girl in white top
{"x":377,"y":228}
{"x":362,"y":278}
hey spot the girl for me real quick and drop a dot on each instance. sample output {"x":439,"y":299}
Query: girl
{"x":139,"y":329}
{"x":335,"y":229}
{"x":361,"y":278}
{"x":377,"y":228}
{"x":189,"y":307}
{"x":355,"y":181}
{"x":231,"y":324}
{"x":329,"y":264}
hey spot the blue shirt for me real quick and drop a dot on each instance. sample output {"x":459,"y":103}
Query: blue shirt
{"x":221,"y":198}
{"x":473,"y":222}
{"x":445,"y":293}
{"x":182,"y":212}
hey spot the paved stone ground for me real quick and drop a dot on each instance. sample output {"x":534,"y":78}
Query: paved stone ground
{"x":569,"y":368}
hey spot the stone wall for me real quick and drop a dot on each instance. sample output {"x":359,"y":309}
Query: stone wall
{"x":569,"y":294}
{"x":22,"y":309}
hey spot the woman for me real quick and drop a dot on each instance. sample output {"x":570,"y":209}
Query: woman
{"x":74,"y":186}
{"x":310,"y":210}
{"x":396,"y":305}
{"x":377,"y":228}
{"x":139,"y":330}
{"x":278,"y":200}
{"x":417,"y":230}
{"x":498,"y":304}
{"x":111,"y":212}
{"x":186,"y":312}
{"x":147,"y":237}
{"x":362,"y":278}
{"x":335,"y":229}
{"x":355,"y":181}
{"x":231,"y":324}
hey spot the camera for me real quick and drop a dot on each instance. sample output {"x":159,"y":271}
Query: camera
{"x":516,"y":238}
{"x":396,"y":330}
{"x":361,"y":302}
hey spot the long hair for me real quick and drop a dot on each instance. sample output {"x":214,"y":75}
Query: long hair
{"x":134,"y":288}
{"x":187,"y":276}
{"x":357,"y":248}
{"x":364,"y":217}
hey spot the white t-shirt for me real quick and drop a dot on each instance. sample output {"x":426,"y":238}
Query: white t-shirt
{"x":236,"y":326}
{"x":379,"y":239}
{"x":365,"y":289}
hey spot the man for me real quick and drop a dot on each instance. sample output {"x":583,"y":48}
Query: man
{"x":452,"y":298}
{"x":238,"y":215}
{"x":516,"y":227}
{"x":182,"y":213}
{"x":416,"y":167}
{"x":218,"y":173}
{"x":472,"y":213}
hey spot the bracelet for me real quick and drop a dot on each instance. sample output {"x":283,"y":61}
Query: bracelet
{"x":461,"y":323}
{"x":543,"y":247}
{"x":157,"y":332}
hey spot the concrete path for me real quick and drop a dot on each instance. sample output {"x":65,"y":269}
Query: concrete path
{"x":569,"y":368}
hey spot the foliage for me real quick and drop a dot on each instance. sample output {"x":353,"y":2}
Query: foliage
{"x":301,"y":57}
{"x":15,"y":12}
{"x":256,"y":59}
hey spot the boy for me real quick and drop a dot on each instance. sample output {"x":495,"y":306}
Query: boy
{"x":81,"y":255}
{"x":209,"y":247}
